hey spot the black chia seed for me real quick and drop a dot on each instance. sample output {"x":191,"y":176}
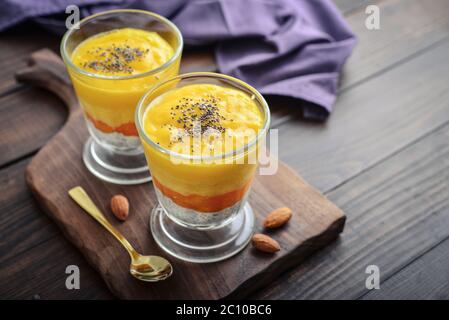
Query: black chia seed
{"x":115,"y":58}
{"x":197,"y":117}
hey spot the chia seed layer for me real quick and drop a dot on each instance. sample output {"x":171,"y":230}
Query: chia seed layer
{"x":116,"y":140}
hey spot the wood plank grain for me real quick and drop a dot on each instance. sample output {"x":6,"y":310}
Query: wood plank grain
{"x":34,"y":252}
{"x":407,"y":27}
{"x":372,"y":122}
{"x":28,"y":118}
{"x":425,"y":278}
{"x":16,"y":44}
{"x":198,"y":60}
{"x":396,"y":211}
{"x":39,"y":273}
{"x":18,"y":221}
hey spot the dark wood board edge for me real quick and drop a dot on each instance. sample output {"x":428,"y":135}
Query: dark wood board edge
{"x":299,"y":254}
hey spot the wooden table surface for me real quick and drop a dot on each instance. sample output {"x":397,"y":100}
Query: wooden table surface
{"x":382,"y":156}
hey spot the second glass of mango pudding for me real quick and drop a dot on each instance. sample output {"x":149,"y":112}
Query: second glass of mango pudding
{"x":113,"y":58}
{"x":201,"y":134}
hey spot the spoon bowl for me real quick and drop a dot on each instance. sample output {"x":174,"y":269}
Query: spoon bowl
{"x":150,"y":268}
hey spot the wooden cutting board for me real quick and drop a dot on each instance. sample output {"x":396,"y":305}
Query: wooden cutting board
{"x":58,"y":167}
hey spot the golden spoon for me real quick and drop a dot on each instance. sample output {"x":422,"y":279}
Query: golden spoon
{"x":145,"y":268}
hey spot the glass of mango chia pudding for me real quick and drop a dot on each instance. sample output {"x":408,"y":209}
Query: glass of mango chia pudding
{"x":113,"y":59}
{"x":202,"y":133}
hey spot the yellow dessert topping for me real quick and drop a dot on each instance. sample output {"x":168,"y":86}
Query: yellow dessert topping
{"x":203,"y":119}
{"x":122,"y":52}
{"x":110,"y":104}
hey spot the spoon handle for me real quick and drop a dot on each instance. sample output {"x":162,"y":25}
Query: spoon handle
{"x":84,"y":201}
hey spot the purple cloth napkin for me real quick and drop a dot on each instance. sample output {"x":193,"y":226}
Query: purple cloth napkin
{"x":289,"y":48}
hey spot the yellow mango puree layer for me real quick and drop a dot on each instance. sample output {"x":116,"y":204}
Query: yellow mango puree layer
{"x":110,"y":103}
{"x":237,"y":119}
{"x":229,"y":119}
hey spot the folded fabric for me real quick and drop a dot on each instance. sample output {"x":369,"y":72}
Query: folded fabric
{"x":289,"y":48}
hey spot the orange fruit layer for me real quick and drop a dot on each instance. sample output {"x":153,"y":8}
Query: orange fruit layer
{"x":127,"y":129}
{"x":204,"y":203}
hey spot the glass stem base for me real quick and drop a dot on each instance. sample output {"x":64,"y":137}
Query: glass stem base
{"x":202,"y":246}
{"x":118,"y":168}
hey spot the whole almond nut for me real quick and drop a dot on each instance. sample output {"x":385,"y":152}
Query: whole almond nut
{"x":265,"y":243}
{"x":120,"y":207}
{"x":277,"y":218}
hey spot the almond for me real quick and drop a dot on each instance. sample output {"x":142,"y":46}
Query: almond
{"x":265,"y":243}
{"x":120,"y":207}
{"x":277,"y":218}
